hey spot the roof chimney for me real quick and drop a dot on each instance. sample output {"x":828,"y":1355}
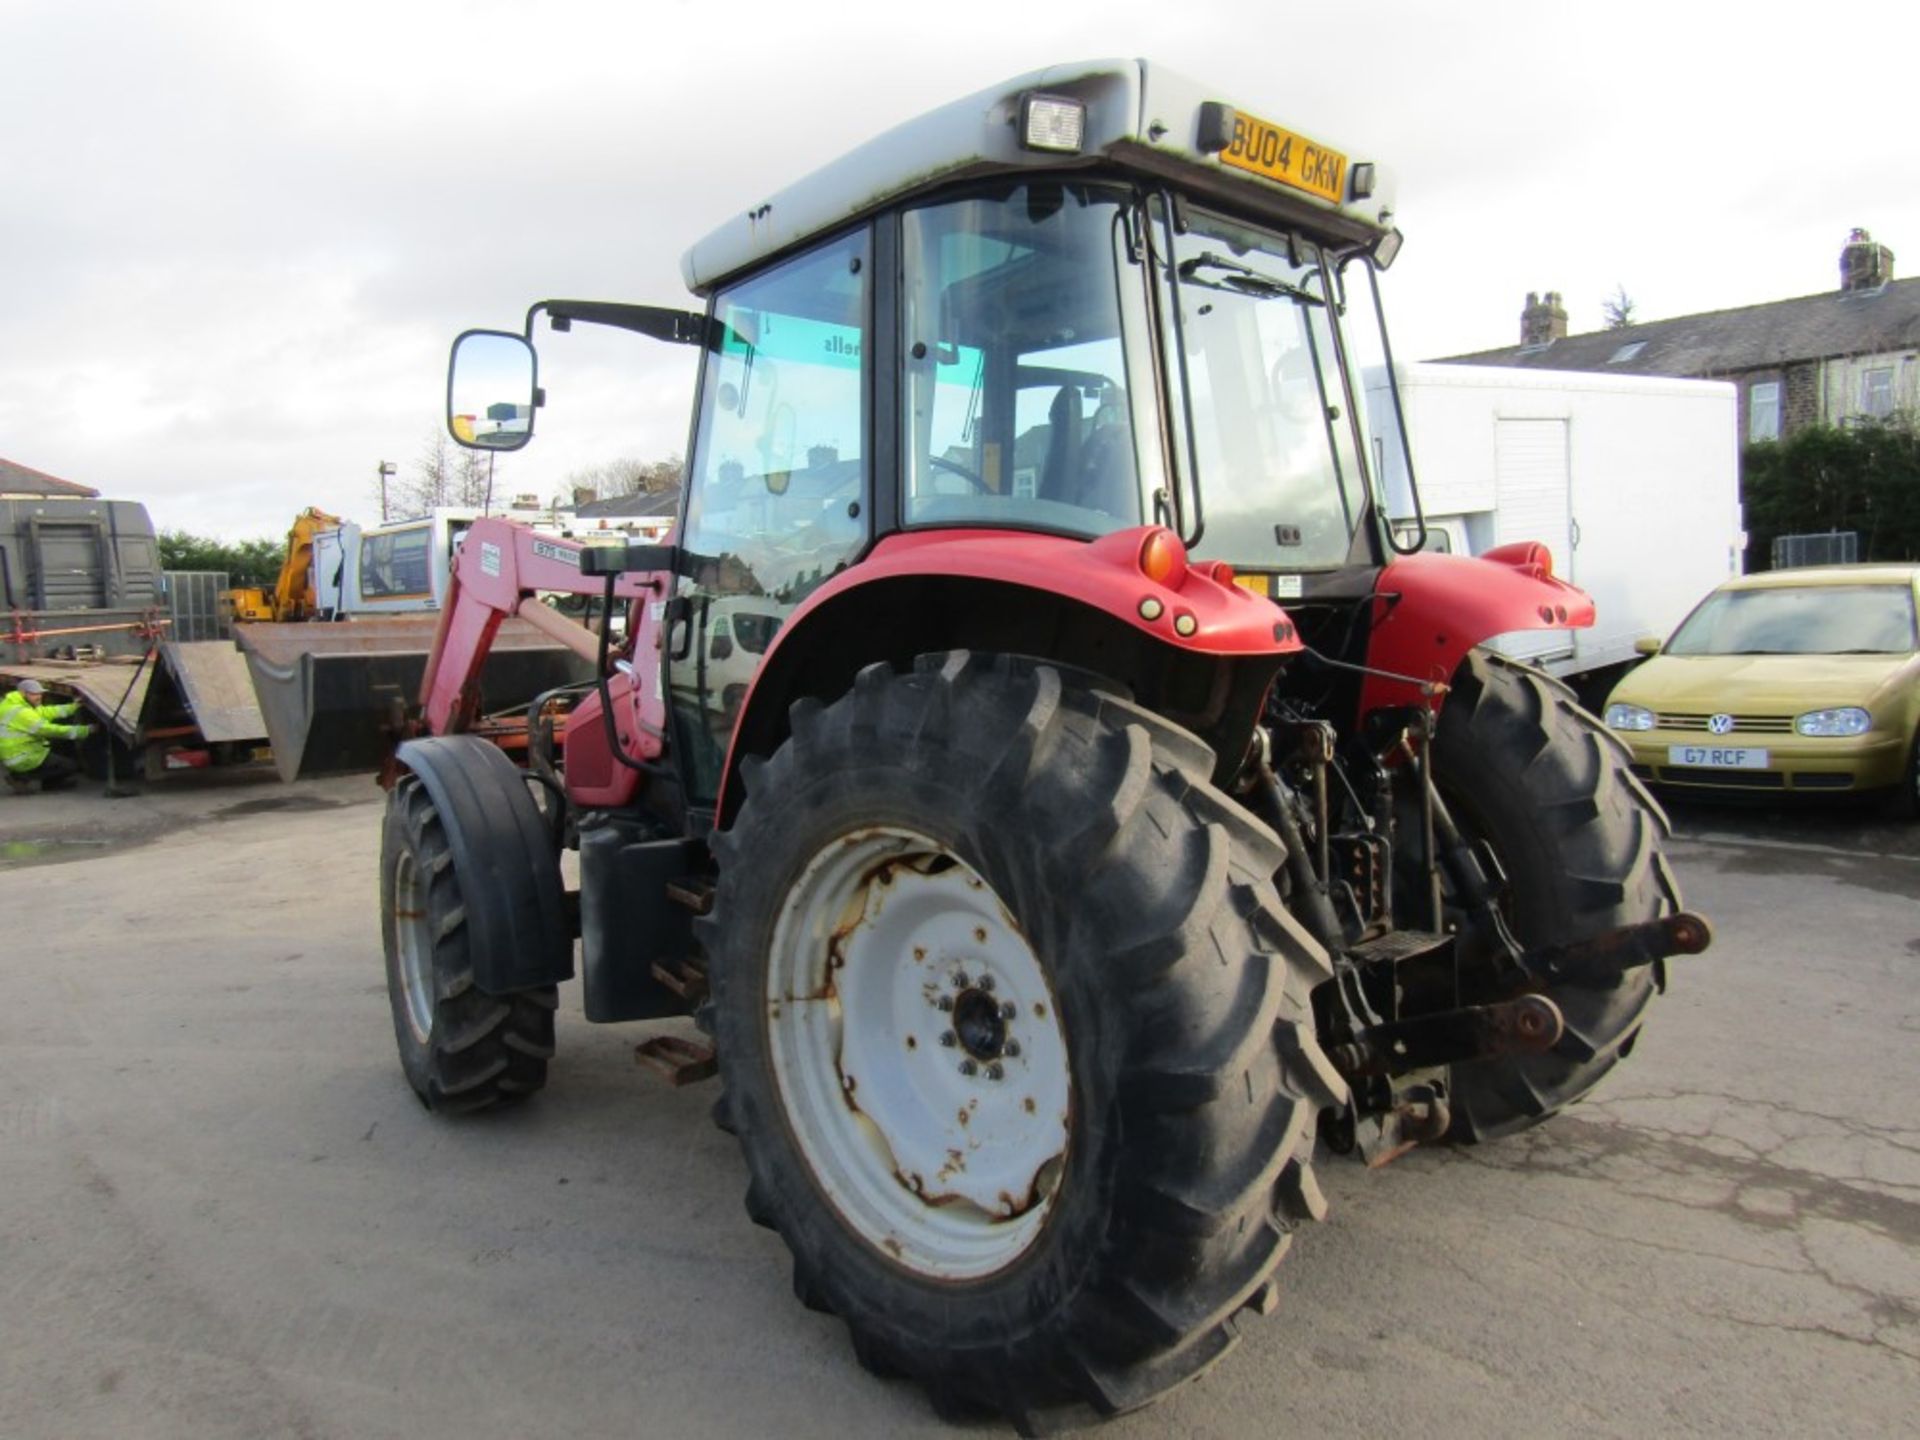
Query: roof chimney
{"x":1863,"y":264}
{"x":1543,"y":321}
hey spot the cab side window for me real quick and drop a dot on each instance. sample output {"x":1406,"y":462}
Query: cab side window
{"x":779,"y":470}
{"x":777,"y":499}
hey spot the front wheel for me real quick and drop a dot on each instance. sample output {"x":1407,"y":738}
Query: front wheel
{"x":1524,"y":768}
{"x":461,"y":1049}
{"x":1015,"y":1036}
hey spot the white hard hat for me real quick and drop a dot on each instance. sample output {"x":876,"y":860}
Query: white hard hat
{"x":31,"y":687}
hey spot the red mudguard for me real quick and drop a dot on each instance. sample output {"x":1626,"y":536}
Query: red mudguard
{"x":1198,"y":608}
{"x":1430,"y":610}
{"x":1105,"y":574}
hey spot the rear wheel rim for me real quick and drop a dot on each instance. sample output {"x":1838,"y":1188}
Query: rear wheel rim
{"x":918,"y":1054}
{"x":413,"y":946}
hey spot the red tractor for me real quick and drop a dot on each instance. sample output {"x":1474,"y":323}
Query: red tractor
{"x":1031,"y":763}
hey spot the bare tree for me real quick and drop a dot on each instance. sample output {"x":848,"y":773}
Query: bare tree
{"x":1618,"y":308}
{"x":444,"y":474}
{"x":429,"y":480}
{"x":474,"y":476}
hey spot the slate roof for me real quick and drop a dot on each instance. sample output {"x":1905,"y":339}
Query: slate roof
{"x":639,"y":506}
{"x":1725,"y":342}
{"x":19,"y":480}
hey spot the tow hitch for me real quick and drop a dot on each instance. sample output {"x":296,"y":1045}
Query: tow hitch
{"x":1530,"y":1025}
{"x":1403,"y":1003}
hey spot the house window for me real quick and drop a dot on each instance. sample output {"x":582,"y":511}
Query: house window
{"x":1876,"y":392}
{"x":1763,"y":411}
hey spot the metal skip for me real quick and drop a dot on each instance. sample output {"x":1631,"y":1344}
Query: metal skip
{"x":334,"y":697}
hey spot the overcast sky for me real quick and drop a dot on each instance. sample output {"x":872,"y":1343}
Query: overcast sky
{"x":238,"y":237}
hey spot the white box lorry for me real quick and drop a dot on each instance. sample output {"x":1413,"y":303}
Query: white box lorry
{"x":1631,"y":481}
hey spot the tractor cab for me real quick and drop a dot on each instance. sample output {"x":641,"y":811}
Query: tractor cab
{"x":1097,"y":300}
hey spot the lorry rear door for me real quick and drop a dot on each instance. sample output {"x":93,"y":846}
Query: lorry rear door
{"x":1533,"y":482}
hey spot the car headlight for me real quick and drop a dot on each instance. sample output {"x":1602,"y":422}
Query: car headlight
{"x":1848,"y":720}
{"x":1628,"y":717}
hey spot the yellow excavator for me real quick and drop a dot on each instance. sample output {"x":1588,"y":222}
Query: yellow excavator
{"x":292,"y":597}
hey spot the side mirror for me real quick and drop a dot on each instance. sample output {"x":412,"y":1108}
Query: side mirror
{"x":491,"y":390}
{"x":1647,"y":645}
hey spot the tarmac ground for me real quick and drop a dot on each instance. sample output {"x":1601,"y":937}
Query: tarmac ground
{"x":224,"y":1214}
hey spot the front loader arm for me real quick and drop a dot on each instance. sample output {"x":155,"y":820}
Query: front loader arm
{"x":500,"y":570}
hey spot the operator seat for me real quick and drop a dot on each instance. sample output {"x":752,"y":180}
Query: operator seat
{"x":1106,"y":479}
{"x":1060,"y":470}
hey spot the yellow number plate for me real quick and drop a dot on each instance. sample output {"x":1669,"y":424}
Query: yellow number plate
{"x":1266,"y":150}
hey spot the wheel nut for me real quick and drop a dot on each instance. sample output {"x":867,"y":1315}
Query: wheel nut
{"x":945,"y":1002}
{"x":994,"y":1072}
{"x":967,"y":1067}
{"x":947,"y":1039}
{"x":959,"y":979}
{"x":986,"y":982}
{"x":1012,"y":1051}
{"x":1009,"y":1010}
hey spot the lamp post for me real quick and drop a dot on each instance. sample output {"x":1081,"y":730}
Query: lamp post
{"x":386,"y":473}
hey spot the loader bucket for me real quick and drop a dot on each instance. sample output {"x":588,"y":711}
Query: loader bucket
{"x":335,"y":695}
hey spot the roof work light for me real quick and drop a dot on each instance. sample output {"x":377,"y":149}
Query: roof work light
{"x":1048,"y":122}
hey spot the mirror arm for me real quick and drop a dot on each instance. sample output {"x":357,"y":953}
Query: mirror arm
{"x":676,"y":327}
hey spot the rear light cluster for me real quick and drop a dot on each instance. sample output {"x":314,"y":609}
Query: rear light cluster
{"x":1163,"y":560}
{"x":1156,"y":556}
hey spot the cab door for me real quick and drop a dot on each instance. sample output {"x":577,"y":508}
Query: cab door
{"x":778,"y":484}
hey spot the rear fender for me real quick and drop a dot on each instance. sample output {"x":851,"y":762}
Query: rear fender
{"x":1080,"y":605}
{"x":518,"y":930}
{"x":1430,"y":610}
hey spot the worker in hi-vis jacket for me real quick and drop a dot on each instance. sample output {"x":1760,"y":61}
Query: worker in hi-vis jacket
{"x":26,"y":725}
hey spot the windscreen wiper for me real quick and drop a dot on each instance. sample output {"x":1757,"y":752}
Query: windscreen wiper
{"x":1244,"y":279}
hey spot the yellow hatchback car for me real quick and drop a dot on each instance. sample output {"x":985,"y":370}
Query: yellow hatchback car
{"x":1799,"y":681}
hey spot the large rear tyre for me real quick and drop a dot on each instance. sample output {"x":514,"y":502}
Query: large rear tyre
{"x":1524,"y":768}
{"x":1015,"y":1036}
{"x":461,"y":1049}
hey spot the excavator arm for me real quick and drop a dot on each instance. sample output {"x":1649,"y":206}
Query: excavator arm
{"x":293,"y":591}
{"x":500,"y":571}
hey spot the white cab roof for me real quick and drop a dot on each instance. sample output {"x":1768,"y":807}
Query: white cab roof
{"x":1140,"y":116}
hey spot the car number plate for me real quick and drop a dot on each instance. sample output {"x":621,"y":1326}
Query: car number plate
{"x":1262,"y":148}
{"x":1720,"y":757}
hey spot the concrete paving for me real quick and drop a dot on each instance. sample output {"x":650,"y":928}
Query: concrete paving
{"x":222,"y":1213}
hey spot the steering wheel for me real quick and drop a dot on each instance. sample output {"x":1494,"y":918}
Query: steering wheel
{"x":973,"y":478}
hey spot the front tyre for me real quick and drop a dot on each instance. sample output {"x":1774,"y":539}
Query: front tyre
{"x":1524,"y":768}
{"x":461,"y":1049}
{"x":1015,"y":1036}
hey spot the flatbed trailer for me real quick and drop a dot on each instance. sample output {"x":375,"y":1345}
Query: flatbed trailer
{"x":180,"y":705}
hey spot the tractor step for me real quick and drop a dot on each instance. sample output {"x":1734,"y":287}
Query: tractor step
{"x":677,"y":1061}
{"x":689,"y":984}
{"x":695,"y":894}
